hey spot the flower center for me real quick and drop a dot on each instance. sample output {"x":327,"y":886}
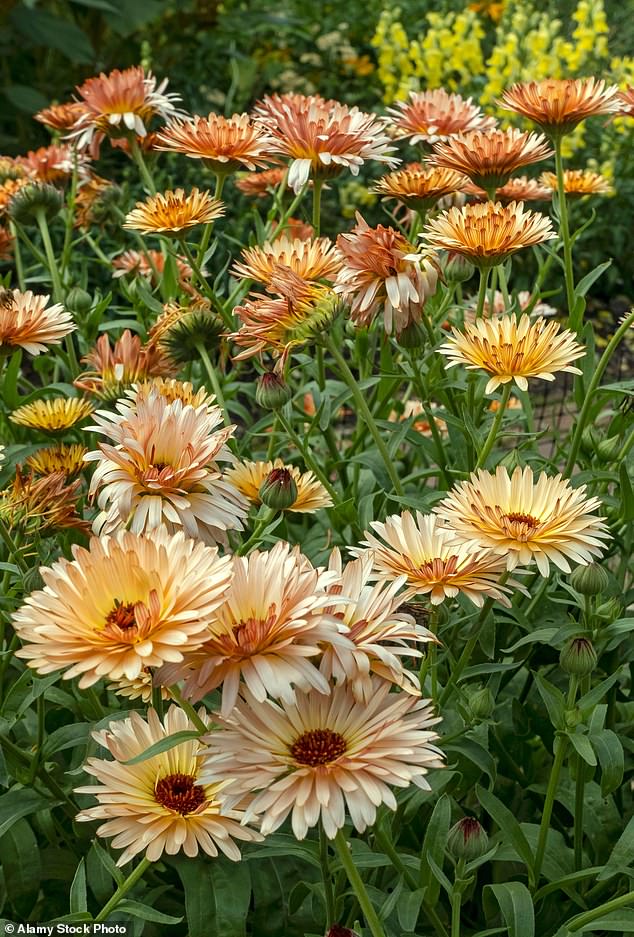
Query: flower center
{"x":318,"y":747}
{"x":527,"y":519}
{"x":178,"y":792}
{"x":121,"y":616}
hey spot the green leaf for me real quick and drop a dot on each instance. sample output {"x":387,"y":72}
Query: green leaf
{"x":627,"y":494}
{"x":553,"y":700}
{"x":198,"y":885}
{"x":434,"y":844}
{"x":232,"y":896}
{"x":146,"y":913}
{"x":78,"y":896}
{"x":622,"y":855}
{"x":26,"y":99}
{"x":163,"y":745}
{"x":609,"y":751}
{"x":590,"y":700}
{"x":539,"y":636}
{"x":408,"y":909}
{"x":615,"y":922}
{"x":516,"y":905}
{"x":10,"y":380}
{"x":21,"y":866}
{"x":477,"y":754}
{"x":42,"y":28}
{"x":18,"y":803}
{"x":581,"y":744}
{"x":507,"y":823}
{"x":584,"y":284}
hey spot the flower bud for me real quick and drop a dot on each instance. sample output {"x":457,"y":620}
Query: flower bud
{"x":589,"y":580}
{"x":272,"y":391}
{"x":578,"y":657}
{"x":412,"y":336}
{"x":609,"y":611}
{"x":278,"y":490}
{"x":467,"y":840}
{"x":511,"y":460}
{"x":481,"y":703}
{"x":78,"y":300}
{"x":32,"y":199}
{"x":608,"y":449}
{"x":337,"y":930}
{"x":457,"y":269}
{"x":588,"y":441}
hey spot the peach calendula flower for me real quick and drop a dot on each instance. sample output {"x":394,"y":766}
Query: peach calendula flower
{"x":260,"y":184}
{"x":93,"y":201}
{"x":626,"y":101}
{"x":517,"y":189}
{"x":419,"y":186}
{"x":489,"y":158}
{"x":323,"y":754}
{"x":381,"y":631}
{"x":54,"y":163}
{"x":522,"y":519}
{"x":381,"y":270}
{"x":68,"y":459}
{"x":557,"y":105}
{"x":488,"y":233}
{"x":578,"y":182}
{"x":171,"y":390}
{"x":42,"y":504}
{"x":123,"y":604}
{"x":513,"y":350}
{"x":27,"y":321}
{"x":429,"y":116}
{"x":161,"y":467}
{"x":149,"y":264}
{"x":265,"y":633}
{"x":249,"y":476}
{"x":414,"y":408}
{"x":62,"y":116}
{"x":310,"y":260}
{"x":225,"y":144}
{"x":433,"y":560}
{"x":293,"y":228}
{"x":54,"y":415}
{"x":114,"y":369}
{"x":140,"y":687}
{"x":523,"y":299}
{"x":172,"y":213}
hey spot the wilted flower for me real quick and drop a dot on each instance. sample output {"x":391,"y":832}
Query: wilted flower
{"x":557,"y":105}
{"x":310,"y":260}
{"x":578,"y":182}
{"x":517,"y":189}
{"x":249,"y":476}
{"x":418,"y":186}
{"x":114,"y":369}
{"x":27,"y":321}
{"x":434,"y":115}
{"x":62,"y":116}
{"x":172,"y":213}
{"x":68,"y":459}
{"x":180,"y":331}
{"x":41,"y":504}
{"x":225,"y":144}
{"x":489,"y":158}
{"x":54,"y":415}
{"x":259,"y":184}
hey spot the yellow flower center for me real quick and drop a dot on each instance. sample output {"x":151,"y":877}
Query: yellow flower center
{"x":318,"y":747}
{"x":179,"y":792}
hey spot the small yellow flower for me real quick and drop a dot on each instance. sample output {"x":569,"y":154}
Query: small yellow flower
{"x":248,"y":477}
{"x":54,"y":415}
{"x":172,"y":213}
{"x":63,"y":458}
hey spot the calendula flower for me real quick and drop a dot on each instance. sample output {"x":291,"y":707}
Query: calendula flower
{"x":310,"y":260}
{"x":68,"y":459}
{"x":27,"y":321}
{"x":380,"y":629}
{"x":489,"y":158}
{"x":161,"y":468}
{"x":323,"y":754}
{"x":522,"y":519}
{"x":248,"y":478}
{"x":414,"y":408}
{"x":263,"y":636}
{"x":8,"y":189}
{"x":171,"y":390}
{"x":433,"y":560}
{"x":419,"y":186}
{"x":626,"y":101}
{"x":150,"y":264}
{"x":180,"y":331}
{"x":488,"y":233}
{"x":53,"y":163}
{"x":557,"y":105}
{"x":499,"y":307}
{"x":62,"y":116}
{"x":511,"y":350}
{"x":54,"y":415}
{"x":293,"y":228}
{"x":517,"y":189}
{"x":382,"y":271}
{"x":121,"y":103}
{"x":171,"y":213}
{"x":225,"y":144}
{"x":429,"y":116}
{"x":260,"y":184}
{"x":115,"y":368}
{"x":159,"y":805}
{"x":140,"y":687}
{"x":42,"y":505}
{"x":578,"y":182}
{"x":6,"y":244}
{"x":93,"y":201}
{"x":124,"y":603}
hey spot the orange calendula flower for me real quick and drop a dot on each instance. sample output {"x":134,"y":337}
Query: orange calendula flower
{"x":225,"y":144}
{"x":428,"y":116}
{"x":68,"y":459}
{"x":53,"y":163}
{"x":114,"y":369}
{"x":8,"y":189}
{"x":557,"y":105}
{"x":578,"y":182}
{"x":172,"y":213}
{"x":55,"y":415}
{"x":310,"y":260}
{"x":511,"y":350}
{"x":489,"y":158}
{"x":249,"y":476}
{"x":27,"y":321}
{"x":150,"y":264}
{"x":419,"y":186}
{"x":488,"y":233}
{"x":626,"y":100}
{"x":522,"y":519}
{"x":62,"y":116}
{"x":41,"y":504}
{"x":92,"y":200}
{"x":517,"y":189}
{"x":260,"y":184}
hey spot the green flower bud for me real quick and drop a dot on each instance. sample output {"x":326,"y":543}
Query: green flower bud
{"x":609,"y":611}
{"x":337,"y":930}
{"x":589,"y":580}
{"x":412,"y":336}
{"x":467,"y":840}
{"x":608,"y":449}
{"x":588,"y":441}
{"x":278,"y":490}
{"x":578,"y":657}
{"x":457,"y":269}
{"x":198,"y":325}
{"x":78,"y":300}
{"x":512,"y":460}
{"x":481,"y":703}
{"x":272,"y":391}
{"x":28,"y":201}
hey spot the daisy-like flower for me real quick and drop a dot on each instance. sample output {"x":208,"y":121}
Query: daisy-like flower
{"x":125,"y":603}
{"x":171,"y":390}
{"x":68,"y":459}
{"x":380,"y":629}
{"x":557,"y":105}
{"x":42,"y":504}
{"x":511,"y":350}
{"x":578,"y":182}
{"x":27,"y":321}
{"x":54,"y":415}
{"x":140,"y":687}
{"x":121,"y":103}
{"x":488,"y":233}
{"x":249,"y":476}
{"x":53,"y":163}
{"x":381,"y":270}
{"x":62,"y":116}
{"x":159,"y":805}
{"x":419,"y":186}
{"x":626,"y":101}
{"x":6,"y":244}
{"x":414,"y":408}
{"x":517,"y":189}
{"x":522,"y":519}
{"x":180,"y":331}
{"x":260,"y":184}
{"x":489,"y":158}
{"x":433,"y":560}
{"x":429,"y":116}
{"x":171,"y":213}
{"x":323,"y":754}
{"x":162,"y":469}
{"x":265,"y":633}
{"x":114,"y":369}
{"x":310,"y":260}
{"x":225,"y":144}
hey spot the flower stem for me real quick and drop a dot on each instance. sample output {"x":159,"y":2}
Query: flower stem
{"x":356,"y":883}
{"x":308,"y":457}
{"x":193,"y":263}
{"x":317,"y":187}
{"x":456,"y":899}
{"x":579,"y":922}
{"x":17,"y":253}
{"x":213,"y":380}
{"x":504,"y":288}
{"x":258,"y":530}
{"x":495,"y":426}
{"x":574,"y":322}
{"x":50,"y":255}
{"x":329,"y":896}
{"x":123,"y":890}
{"x":482,"y":291}
{"x":137,"y":156}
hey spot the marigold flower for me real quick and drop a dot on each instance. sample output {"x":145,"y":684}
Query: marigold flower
{"x":433,"y":560}
{"x":225,"y":144}
{"x":248,"y":477}
{"x":381,"y":269}
{"x":115,"y":368}
{"x":54,"y":415}
{"x":429,"y":116}
{"x":488,"y":233}
{"x":322,"y":754}
{"x":171,"y":213}
{"x":68,"y":459}
{"x":557,"y":105}
{"x":522,"y":519}
{"x":578,"y":182}
{"x":489,"y":158}
{"x":53,"y":163}
{"x":259,"y":184}
{"x":27,"y":321}
{"x":310,"y":260}
{"x":41,"y":504}
{"x":419,"y":186}
{"x":62,"y":116}
{"x":517,"y":189}
{"x":92,"y":201}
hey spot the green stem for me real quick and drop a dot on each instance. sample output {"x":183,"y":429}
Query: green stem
{"x":17,"y":254}
{"x":580,"y":784}
{"x":317,"y":187}
{"x":561,"y":747}
{"x":187,"y":708}
{"x":482,"y":292}
{"x":58,"y":293}
{"x":574,"y":322}
{"x":504,"y":289}
{"x":308,"y":457}
{"x":123,"y":890}
{"x":581,"y":920}
{"x":213,"y":380}
{"x":137,"y":156}
{"x":204,"y":241}
{"x":495,"y":426}
{"x":259,"y":528}
{"x":287,"y":214}
{"x":68,"y":806}
{"x":70,"y":208}
{"x":625,"y":448}
{"x":193,"y":263}
{"x":329,"y":895}
{"x":356,"y":883}
{"x":456,"y":899}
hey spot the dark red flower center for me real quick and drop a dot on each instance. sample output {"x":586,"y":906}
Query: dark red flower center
{"x":178,"y":792}
{"x":318,"y":747}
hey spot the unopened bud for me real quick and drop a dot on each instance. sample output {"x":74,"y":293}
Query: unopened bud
{"x":337,"y":930}
{"x":481,"y":703}
{"x":578,"y":657}
{"x":589,"y":580}
{"x":467,"y":840}
{"x":278,"y":490}
{"x":33,"y":199}
{"x":412,"y":336}
{"x":457,"y":269}
{"x":588,"y":441}
{"x":78,"y":300}
{"x":272,"y":391}
{"x":608,"y":449}
{"x":609,"y":611}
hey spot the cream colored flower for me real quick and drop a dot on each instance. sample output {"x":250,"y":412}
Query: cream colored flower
{"x":429,"y":116}
{"x":224,"y":144}
{"x":310,"y":260}
{"x":248,"y":477}
{"x":27,"y":321}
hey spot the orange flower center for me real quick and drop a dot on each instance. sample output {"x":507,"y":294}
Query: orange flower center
{"x":121,"y":616}
{"x":318,"y":747}
{"x":519,"y":518}
{"x":178,"y":792}
{"x":253,"y":634}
